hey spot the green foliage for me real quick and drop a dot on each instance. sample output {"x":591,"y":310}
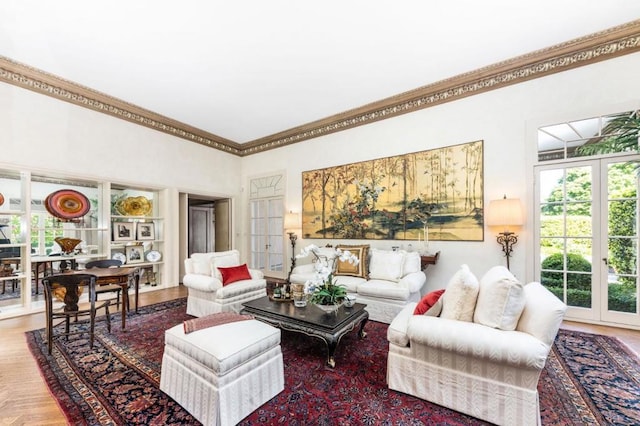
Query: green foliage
{"x":575,"y":263}
{"x":554,"y":226}
{"x":622,"y":133}
{"x":622,"y":216}
{"x":329,"y":293}
{"x":622,"y":297}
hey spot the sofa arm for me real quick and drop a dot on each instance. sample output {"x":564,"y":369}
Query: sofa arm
{"x":543,"y":313}
{"x":201,"y":282}
{"x":413,"y":281}
{"x":397,"y":331}
{"x":256,"y":274}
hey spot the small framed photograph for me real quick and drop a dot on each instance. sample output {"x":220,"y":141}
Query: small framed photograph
{"x":145,"y":231}
{"x":124,"y":231}
{"x":135,"y":254}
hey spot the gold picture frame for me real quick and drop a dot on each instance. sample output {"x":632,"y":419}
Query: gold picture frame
{"x":428,"y":195}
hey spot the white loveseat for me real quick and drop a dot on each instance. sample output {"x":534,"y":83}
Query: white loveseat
{"x":486,"y":372}
{"x":208,"y":295}
{"x":387,"y":281}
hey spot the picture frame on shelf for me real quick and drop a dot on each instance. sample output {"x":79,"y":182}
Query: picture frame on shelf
{"x":135,"y":254}
{"x":124,"y":231}
{"x":145,"y":231}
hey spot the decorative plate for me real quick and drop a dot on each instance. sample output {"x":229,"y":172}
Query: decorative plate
{"x":120,"y":256}
{"x":153,"y":256}
{"x":134,"y":206}
{"x":67,"y":204}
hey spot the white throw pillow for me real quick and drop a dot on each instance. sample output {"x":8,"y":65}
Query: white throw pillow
{"x":412,"y":262}
{"x":386,"y":265}
{"x":500,"y":301}
{"x":224,"y":260}
{"x":459,"y":298}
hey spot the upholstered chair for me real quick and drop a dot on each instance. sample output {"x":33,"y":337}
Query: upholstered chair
{"x":218,"y":282}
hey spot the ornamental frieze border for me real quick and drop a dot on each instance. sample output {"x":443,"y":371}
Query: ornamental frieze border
{"x":608,"y":44}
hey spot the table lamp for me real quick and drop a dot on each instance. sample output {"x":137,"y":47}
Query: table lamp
{"x":506,"y":212}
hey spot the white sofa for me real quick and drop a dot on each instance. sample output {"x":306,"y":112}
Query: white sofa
{"x":393,"y":279}
{"x":486,"y":372}
{"x":208,"y":295}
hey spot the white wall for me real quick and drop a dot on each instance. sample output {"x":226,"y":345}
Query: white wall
{"x":505,"y":119}
{"x":39,"y":132}
{"x":47,"y":136}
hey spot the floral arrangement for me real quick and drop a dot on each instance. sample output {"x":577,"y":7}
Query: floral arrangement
{"x":324,"y":289}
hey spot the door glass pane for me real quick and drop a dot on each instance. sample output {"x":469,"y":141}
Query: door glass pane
{"x":622,"y":283}
{"x":566,"y":246}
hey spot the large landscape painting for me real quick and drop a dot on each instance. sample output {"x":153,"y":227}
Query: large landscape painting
{"x":438,"y":192}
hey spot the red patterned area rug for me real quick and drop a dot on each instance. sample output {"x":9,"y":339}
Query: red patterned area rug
{"x":589,"y":379}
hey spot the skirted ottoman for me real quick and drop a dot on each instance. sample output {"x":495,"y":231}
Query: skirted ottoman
{"x":223,"y":373}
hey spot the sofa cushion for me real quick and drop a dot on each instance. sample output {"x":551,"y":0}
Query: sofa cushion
{"x":232,"y":274}
{"x":459,"y":299}
{"x":500,"y":299}
{"x":427,"y":301}
{"x":383,"y":289}
{"x":386,"y":265}
{"x":351,"y":283}
{"x":478,"y":341}
{"x":359,"y":270}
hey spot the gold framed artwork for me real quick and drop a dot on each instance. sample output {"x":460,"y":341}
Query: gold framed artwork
{"x":428,"y":195}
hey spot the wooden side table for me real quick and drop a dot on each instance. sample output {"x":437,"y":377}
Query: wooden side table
{"x":429,"y":259}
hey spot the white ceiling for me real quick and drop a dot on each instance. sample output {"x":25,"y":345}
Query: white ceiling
{"x":245,"y":69}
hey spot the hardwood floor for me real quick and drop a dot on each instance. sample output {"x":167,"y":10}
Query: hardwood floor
{"x":25,"y":399}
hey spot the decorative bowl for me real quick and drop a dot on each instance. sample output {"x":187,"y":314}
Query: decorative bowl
{"x":349,"y":301}
{"x":329,"y":309}
{"x":67,"y":244}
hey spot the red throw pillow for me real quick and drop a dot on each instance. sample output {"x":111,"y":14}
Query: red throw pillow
{"x":427,"y":301}
{"x":234,"y":273}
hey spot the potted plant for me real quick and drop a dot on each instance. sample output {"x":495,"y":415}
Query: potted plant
{"x":324,"y":290}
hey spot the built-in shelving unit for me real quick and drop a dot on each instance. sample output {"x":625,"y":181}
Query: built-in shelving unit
{"x":31,"y":231}
{"x":137,"y":239}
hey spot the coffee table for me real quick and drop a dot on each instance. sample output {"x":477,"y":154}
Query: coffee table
{"x":310,"y":320}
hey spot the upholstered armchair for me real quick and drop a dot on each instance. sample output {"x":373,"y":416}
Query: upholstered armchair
{"x":217,"y":282}
{"x":479,"y":349}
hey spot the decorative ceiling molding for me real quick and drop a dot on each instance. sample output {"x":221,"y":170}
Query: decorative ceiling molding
{"x":608,"y":44}
{"x":27,"y":77}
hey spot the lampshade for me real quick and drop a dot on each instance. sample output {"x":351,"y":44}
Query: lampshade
{"x":505,"y":212}
{"x":291,"y":221}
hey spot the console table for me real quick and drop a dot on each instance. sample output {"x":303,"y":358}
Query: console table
{"x":429,"y":259}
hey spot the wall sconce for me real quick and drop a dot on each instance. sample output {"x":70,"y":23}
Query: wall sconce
{"x":292,"y":222}
{"x":506,"y":212}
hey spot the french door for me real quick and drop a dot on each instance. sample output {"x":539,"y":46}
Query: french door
{"x":266,"y":239}
{"x":587,"y":237}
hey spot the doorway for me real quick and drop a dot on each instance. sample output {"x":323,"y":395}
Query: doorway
{"x":587,"y":235}
{"x":205,"y":225}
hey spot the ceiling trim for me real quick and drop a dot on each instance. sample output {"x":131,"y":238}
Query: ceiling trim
{"x":601,"y":46}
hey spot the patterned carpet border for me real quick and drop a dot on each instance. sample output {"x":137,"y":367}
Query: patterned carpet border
{"x":588,"y":379}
